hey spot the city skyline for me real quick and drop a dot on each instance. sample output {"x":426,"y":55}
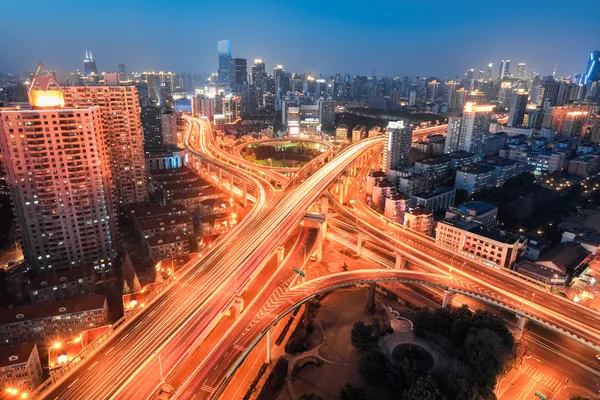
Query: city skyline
{"x":354,"y":40}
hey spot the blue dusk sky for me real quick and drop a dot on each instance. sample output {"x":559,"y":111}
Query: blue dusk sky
{"x":394,"y":38}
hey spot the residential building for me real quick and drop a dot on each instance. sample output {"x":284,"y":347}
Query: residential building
{"x":518,"y":104}
{"x":152,"y":125}
{"x":419,"y":219}
{"x":396,"y":152}
{"x":164,"y":157}
{"x":20,"y":368}
{"x":180,"y":224}
{"x":382,"y":190}
{"x":44,"y":322}
{"x":62,"y":285}
{"x":59,"y":180}
{"x":474,"y":178}
{"x":341,"y":132}
{"x":491,"y":246}
{"x":437,"y":167}
{"x":373,"y":178}
{"x":461,"y":158}
{"x":565,"y":258}
{"x":396,"y":205}
{"x":505,"y":168}
{"x":167,"y":245}
{"x":359,"y":132}
{"x":584,"y":165}
{"x":168,"y":121}
{"x":150,"y":213}
{"x":122,"y":126}
{"x":437,"y":200}
{"x":476,"y":211}
{"x":410,"y":182}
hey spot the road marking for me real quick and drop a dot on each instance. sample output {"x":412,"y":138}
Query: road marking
{"x":207,"y":388}
{"x":95,"y":362}
{"x":69,"y":387}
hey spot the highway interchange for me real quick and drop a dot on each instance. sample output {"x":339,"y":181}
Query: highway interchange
{"x":156,"y":344}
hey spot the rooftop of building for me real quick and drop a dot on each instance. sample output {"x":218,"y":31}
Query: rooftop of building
{"x":378,"y":174}
{"x":564,"y":256}
{"x":384,"y":183}
{"x":158,"y":210}
{"x":53,"y":308}
{"x":460,"y":155}
{"x":499,"y":161}
{"x":434,"y":160}
{"x":479,"y":207}
{"x":197,"y":184}
{"x":172,"y":220}
{"x":160,"y":240}
{"x":210,"y":219}
{"x":436,"y":192}
{"x":477,"y":168}
{"x":171,"y":171}
{"x":15,"y":354}
{"x":495,"y":234}
{"x":165,"y":179}
{"x":584,"y":220}
{"x":164,"y":150}
{"x":209,"y":191}
{"x":530,"y":268}
{"x":399,"y":196}
{"x":60,"y":277}
{"x":418,"y":211}
{"x":359,"y":128}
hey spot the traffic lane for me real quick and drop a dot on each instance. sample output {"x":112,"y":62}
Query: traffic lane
{"x":244,"y":332}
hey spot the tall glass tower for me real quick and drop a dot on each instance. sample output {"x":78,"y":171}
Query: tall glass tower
{"x":224,"y":58}
{"x":592,"y":72}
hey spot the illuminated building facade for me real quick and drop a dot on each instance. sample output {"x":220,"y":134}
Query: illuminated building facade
{"x":469,"y":132}
{"x":396,"y":152}
{"x":89,"y":65}
{"x":224,"y":50}
{"x":122,"y":127}
{"x":57,"y":163}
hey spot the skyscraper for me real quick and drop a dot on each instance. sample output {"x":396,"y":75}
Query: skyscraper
{"x":224,"y":58}
{"x":470,"y":131}
{"x":89,"y":65}
{"x":121,"y":122}
{"x":278,"y":77}
{"x":238,"y":75}
{"x":504,"y":69}
{"x":521,"y":70}
{"x":518,"y":103}
{"x":396,"y":152}
{"x":592,"y":72}
{"x":57,"y":163}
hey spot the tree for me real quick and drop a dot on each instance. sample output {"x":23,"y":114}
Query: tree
{"x":310,"y":396}
{"x":136,"y":283}
{"x":361,"y":336}
{"x":126,"y":288}
{"x":349,"y":392}
{"x":424,"y":388}
{"x":373,"y":366}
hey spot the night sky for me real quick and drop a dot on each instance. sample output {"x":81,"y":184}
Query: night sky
{"x":426,"y":37}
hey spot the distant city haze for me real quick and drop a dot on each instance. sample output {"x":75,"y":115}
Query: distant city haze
{"x":395,"y":38}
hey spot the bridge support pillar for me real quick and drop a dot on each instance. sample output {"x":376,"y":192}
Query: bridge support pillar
{"x":520,"y":328}
{"x":208,"y":172}
{"x":341,"y":189}
{"x":280,"y":255}
{"x":399,"y":261}
{"x":320,"y":239}
{"x":220,"y":175}
{"x":269,"y":345}
{"x":238,"y":307}
{"x":245,"y":194}
{"x":371,"y":299}
{"x":231,"y":185}
{"x":324,"y":210}
{"x":448,"y":297}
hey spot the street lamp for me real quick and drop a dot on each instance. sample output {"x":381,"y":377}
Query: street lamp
{"x":554,"y":282}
